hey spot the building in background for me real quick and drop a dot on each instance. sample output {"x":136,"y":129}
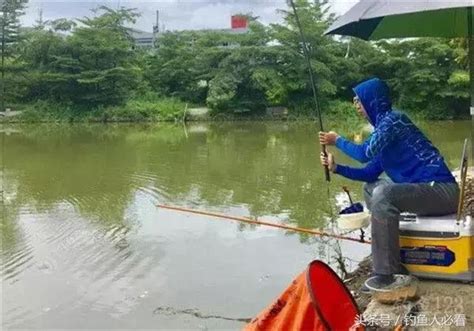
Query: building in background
{"x":238,"y":24}
{"x":142,"y":39}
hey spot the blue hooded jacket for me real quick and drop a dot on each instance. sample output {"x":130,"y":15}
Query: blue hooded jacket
{"x":396,"y":145}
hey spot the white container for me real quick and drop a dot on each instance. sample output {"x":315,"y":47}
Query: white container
{"x":353,"y":221}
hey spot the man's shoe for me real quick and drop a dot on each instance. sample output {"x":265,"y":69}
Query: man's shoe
{"x":385,"y":283}
{"x":365,"y":290}
{"x":379,"y":282}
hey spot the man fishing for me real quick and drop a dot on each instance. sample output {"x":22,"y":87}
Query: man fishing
{"x":419,"y":180}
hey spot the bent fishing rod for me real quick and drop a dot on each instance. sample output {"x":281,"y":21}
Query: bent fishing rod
{"x":264,"y":223}
{"x":312,"y":81}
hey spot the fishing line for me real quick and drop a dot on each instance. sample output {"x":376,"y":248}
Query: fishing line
{"x":264,"y":223}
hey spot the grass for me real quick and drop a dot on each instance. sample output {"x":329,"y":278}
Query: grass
{"x":152,"y":108}
{"x":149,"y":109}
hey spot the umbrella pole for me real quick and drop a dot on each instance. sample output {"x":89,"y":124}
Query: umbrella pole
{"x":471,"y":73}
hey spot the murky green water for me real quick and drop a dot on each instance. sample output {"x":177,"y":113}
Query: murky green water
{"x":84,"y":245}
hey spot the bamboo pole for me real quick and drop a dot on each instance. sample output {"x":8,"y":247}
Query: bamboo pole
{"x":264,"y":223}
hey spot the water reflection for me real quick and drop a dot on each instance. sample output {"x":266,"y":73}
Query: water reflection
{"x":270,"y":168}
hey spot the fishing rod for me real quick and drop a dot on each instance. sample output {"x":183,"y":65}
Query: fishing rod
{"x":313,"y":85}
{"x":264,"y":223}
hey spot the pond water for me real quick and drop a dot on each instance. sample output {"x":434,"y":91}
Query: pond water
{"x":85,"y":247}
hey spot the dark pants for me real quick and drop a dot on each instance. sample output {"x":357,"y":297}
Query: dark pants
{"x":386,"y":200}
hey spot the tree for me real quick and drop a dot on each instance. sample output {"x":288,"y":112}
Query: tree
{"x":103,"y":49}
{"x":10,"y":11}
{"x":198,"y":66}
{"x":237,"y":83}
{"x":425,"y":76}
{"x":95,"y":65}
{"x":315,"y":19}
{"x":173,"y":68}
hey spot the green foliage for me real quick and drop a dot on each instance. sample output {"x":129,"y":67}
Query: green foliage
{"x":163,"y":109}
{"x":315,"y":20}
{"x":149,"y":108}
{"x":424,"y":74}
{"x":92,"y":67}
{"x":103,"y":50}
{"x":222,"y":89}
{"x":10,"y":12}
{"x":344,"y":117}
{"x":174,"y":70}
{"x":89,"y":69}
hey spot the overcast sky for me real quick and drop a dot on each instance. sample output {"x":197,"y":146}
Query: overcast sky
{"x":174,"y":14}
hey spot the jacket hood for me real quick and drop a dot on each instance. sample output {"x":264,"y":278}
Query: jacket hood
{"x":374,"y":95}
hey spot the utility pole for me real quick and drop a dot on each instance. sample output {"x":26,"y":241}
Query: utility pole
{"x":156,"y":28}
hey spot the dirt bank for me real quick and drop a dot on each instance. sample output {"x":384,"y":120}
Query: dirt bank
{"x":442,"y":305}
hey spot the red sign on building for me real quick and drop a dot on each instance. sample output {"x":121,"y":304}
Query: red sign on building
{"x":239,"y":22}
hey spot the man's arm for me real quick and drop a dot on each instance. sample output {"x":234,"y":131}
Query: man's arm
{"x":355,"y":151}
{"x":368,"y":174}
